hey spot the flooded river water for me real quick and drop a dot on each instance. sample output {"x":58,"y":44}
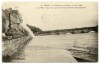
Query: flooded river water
{"x":60,"y":48}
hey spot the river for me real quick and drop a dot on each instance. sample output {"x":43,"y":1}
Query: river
{"x":60,"y":48}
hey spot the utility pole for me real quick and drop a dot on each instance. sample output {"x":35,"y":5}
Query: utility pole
{"x":9,"y":31}
{"x":9,"y":22}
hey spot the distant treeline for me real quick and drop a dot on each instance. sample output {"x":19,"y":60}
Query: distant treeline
{"x":38,"y":31}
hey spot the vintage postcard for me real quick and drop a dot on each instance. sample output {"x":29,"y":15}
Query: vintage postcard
{"x":47,"y":32}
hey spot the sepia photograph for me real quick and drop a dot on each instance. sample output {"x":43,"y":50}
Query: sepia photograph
{"x":49,"y":32}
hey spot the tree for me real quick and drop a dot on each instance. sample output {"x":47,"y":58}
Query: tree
{"x":34,"y":29}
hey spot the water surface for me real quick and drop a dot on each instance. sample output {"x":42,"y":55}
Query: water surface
{"x":60,"y":48}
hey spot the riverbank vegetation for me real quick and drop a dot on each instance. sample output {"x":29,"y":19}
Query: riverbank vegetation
{"x":37,"y":31}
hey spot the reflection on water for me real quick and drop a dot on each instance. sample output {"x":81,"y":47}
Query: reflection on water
{"x":83,"y":46}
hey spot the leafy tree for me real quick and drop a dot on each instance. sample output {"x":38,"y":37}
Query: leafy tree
{"x":34,"y":29}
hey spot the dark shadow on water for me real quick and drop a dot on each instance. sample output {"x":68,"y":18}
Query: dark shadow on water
{"x":83,"y":60}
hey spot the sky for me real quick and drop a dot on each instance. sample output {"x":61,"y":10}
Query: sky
{"x":52,"y":19}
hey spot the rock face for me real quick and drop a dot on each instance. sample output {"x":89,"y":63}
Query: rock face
{"x":14,"y":36}
{"x":11,"y":23}
{"x":11,"y":47}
